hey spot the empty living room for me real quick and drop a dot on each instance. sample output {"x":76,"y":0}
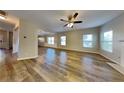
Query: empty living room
{"x":61,"y":45}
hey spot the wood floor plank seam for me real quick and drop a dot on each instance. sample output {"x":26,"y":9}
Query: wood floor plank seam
{"x":55,"y":65}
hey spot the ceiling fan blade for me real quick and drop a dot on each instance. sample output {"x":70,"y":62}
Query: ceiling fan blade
{"x":78,"y":21}
{"x":63,"y":20}
{"x":65,"y":25}
{"x":71,"y":26}
{"x":75,"y":15}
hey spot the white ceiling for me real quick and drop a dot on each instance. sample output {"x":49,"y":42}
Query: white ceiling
{"x":9,"y":23}
{"x":6,"y":26}
{"x":49,"y":20}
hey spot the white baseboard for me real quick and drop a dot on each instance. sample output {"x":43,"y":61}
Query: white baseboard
{"x":117,"y":67}
{"x":114,"y":65}
{"x":108,"y":58}
{"x":27,"y":58}
{"x":82,"y":51}
{"x":73,"y":50}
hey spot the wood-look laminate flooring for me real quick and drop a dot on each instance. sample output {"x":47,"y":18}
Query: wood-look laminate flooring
{"x":54,"y":65}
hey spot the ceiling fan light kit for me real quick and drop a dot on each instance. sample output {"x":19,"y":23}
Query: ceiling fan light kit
{"x":71,"y":20}
{"x":70,"y":25}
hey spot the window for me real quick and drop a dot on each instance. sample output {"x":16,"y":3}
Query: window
{"x":107,"y":41}
{"x":50,"y":40}
{"x":88,"y":40}
{"x":63,"y":40}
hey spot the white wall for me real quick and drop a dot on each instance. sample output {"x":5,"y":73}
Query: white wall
{"x":122,"y":54}
{"x":117,"y":25}
{"x":74,"y":40}
{"x":51,"y":45}
{"x":28,"y":46}
{"x":15,"y":41}
{"x":16,"y":30}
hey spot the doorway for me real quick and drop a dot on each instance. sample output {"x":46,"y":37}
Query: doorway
{"x":6,"y":39}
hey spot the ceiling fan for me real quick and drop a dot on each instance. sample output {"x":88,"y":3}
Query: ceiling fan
{"x":71,"y":20}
